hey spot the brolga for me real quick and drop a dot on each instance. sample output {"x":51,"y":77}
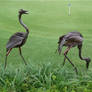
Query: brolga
{"x":18,"y":39}
{"x":71,"y":40}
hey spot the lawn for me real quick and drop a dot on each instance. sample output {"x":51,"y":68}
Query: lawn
{"x":47,"y":20}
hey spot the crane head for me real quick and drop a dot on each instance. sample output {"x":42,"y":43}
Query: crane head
{"x":87,"y":62}
{"x":22,"y":11}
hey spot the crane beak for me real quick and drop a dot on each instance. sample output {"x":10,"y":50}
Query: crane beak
{"x":26,"y":12}
{"x":22,"y":11}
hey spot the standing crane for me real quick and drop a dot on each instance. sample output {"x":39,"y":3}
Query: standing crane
{"x":70,"y":40}
{"x":18,"y":39}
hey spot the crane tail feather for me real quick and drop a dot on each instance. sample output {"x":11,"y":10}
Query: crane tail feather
{"x":60,"y":46}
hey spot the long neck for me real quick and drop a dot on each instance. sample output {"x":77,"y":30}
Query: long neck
{"x":80,"y":52}
{"x":21,"y":22}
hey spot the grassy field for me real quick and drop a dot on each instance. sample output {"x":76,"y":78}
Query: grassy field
{"x":47,"y":20}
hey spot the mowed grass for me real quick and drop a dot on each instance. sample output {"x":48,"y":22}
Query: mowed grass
{"x":47,"y":20}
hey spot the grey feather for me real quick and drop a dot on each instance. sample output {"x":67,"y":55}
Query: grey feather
{"x":15,"y":40}
{"x":61,"y":45}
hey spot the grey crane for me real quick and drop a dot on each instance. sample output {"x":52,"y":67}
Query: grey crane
{"x":72,"y":39}
{"x":18,"y":39}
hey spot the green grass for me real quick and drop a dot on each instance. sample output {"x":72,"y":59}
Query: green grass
{"x":47,"y":20}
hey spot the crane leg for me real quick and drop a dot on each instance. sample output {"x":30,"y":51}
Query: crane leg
{"x":64,"y":60}
{"x":66,"y":51}
{"x":22,"y":56}
{"x":6,"y":57}
{"x":70,"y":60}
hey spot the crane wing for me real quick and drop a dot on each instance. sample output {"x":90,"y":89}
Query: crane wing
{"x":75,"y":38}
{"x":75,"y":33}
{"x":14,"y":41}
